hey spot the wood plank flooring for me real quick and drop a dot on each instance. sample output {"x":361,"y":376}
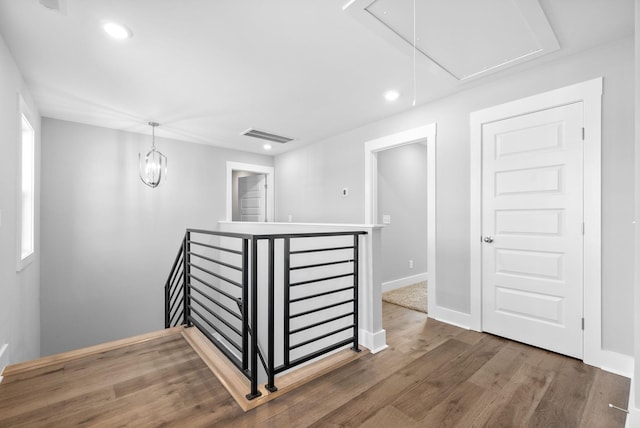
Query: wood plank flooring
{"x":432,"y":375}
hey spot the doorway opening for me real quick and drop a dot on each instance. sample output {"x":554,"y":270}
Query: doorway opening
{"x":249,"y":196}
{"x":402,"y":207}
{"x":250,"y":192}
{"x":425,"y":135}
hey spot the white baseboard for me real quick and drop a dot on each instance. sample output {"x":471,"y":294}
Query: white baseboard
{"x":403,"y":282}
{"x":4,"y":358}
{"x":450,"y":316}
{"x":633,"y":418}
{"x":375,"y":342}
{"x":615,"y":362}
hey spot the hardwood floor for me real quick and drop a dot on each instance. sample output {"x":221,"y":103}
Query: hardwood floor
{"x":432,"y":375}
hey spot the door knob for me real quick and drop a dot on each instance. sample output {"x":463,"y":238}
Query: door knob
{"x":488,"y":239}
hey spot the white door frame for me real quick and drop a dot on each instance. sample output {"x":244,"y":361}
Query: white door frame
{"x":258,"y":169}
{"x":590,"y":94}
{"x":371,"y":149}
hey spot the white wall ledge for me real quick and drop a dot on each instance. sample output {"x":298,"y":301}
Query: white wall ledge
{"x":322,"y":225}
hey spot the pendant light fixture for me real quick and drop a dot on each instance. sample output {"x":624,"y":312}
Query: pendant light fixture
{"x":154,"y":164}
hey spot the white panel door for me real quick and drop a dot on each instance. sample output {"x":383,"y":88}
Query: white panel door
{"x":532,"y":227}
{"x":252,"y":197}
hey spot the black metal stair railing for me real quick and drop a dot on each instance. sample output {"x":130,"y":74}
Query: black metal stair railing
{"x":174,"y":288}
{"x":217,"y":279}
{"x":317,"y":302}
{"x":210,"y":278}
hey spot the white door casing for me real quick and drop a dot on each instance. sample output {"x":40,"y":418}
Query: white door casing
{"x":590,"y":93}
{"x":252,"y":197}
{"x":371,"y":148}
{"x":532,"y":191}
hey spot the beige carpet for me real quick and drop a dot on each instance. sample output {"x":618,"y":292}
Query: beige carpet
{"x":412,"y":296}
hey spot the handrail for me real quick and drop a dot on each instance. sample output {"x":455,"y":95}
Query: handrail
{"x":219,"y":233}
{"x":227,"y":268}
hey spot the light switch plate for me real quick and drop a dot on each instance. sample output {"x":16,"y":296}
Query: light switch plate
{"x":386,"y":219}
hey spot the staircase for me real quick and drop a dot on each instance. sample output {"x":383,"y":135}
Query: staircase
{"x":281,"y":300}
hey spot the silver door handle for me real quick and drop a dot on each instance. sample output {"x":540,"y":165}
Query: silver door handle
{"x":488,"y":239}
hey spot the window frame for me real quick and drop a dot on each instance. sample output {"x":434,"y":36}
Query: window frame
{"x":25,"y":116}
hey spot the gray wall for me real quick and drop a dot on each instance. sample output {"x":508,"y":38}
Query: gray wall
{"x":402,"y":193}
{"x":309,"y":179}
{"x":19,"y":291}
{"x":108,"y":240}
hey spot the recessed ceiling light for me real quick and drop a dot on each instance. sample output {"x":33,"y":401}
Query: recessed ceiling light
{"x":267,"y":147}
{"x":117,"y":31}
{"x":391,"y":95}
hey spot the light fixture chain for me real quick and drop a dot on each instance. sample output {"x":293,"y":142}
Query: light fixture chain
{"x":414,"y":54}
{"x":153,"y":133}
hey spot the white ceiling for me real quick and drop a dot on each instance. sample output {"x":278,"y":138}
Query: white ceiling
{"x":208,"y":70}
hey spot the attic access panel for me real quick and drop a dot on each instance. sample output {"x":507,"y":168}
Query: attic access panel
{"x":463,"y":38}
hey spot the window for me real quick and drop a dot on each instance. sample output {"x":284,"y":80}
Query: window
{"x":26,"y":190}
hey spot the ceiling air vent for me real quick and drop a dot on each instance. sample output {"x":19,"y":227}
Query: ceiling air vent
{"x":266,"y":136}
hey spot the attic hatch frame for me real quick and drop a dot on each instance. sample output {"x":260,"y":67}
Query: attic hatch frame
{"x":530,"y":10}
